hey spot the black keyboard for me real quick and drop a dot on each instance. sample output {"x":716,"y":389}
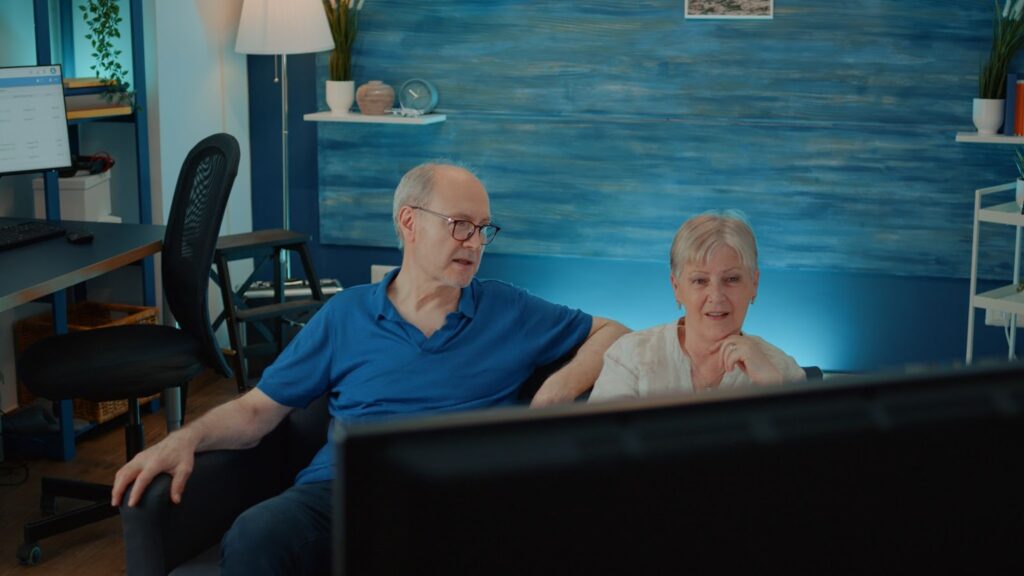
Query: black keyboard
{"x":22,"y":233}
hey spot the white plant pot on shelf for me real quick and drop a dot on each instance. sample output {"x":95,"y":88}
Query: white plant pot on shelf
{"x":988,"y":115}
{"x":340,"y":95}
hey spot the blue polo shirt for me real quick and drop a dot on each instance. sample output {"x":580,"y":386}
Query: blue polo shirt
{"x":377,"y":365}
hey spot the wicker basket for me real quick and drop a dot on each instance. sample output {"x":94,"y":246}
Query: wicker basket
{"x":83,"y":316}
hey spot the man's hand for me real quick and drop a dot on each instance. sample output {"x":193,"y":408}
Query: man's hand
{"x":237,"y":424}
{"x":174,"y":455}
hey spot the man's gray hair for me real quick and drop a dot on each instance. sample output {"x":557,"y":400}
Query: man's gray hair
{"x":699,"y":237}
{"x":417,"y":188}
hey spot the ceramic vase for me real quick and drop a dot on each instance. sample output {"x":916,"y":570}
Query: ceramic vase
{"x":375,"y":98}
{"x":340,"y":94}
{"x":988,"y":115}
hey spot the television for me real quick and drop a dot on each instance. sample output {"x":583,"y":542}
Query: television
{"x":901,"y":474}
{"x":33,"y":120}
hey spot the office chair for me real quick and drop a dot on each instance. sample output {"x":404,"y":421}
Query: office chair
{"x":130,"y":362}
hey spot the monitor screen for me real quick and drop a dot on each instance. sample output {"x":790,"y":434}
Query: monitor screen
{"x":888,"y":475}
{"x":33,"y":121}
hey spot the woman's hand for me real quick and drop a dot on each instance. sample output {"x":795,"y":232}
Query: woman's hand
{"x":741,"y":352}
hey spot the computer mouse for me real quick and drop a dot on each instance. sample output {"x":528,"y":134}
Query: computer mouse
{"x":79,"y":237}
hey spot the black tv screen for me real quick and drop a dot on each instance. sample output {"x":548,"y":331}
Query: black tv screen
{"x":853,"y":476}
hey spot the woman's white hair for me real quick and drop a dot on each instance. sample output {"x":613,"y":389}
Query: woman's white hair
{"x":699,"y":237}
{"x":416,"y":189}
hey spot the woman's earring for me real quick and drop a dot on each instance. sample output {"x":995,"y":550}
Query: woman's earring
{"x":752,"y":300}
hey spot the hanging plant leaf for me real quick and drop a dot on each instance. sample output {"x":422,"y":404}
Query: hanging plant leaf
{"x":103,"y":18}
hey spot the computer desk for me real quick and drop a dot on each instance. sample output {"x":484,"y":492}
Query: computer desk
{"x":45,"y":268}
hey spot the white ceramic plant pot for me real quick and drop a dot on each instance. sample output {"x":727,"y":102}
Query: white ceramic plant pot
{"x":340,"y":95}
{"x":988,"y":115}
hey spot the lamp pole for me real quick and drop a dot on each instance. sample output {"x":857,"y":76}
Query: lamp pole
{"x":286,"y":214}
{"x":279,"y":28}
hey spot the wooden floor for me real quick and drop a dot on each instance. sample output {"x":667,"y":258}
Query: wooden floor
{"x":96,"y":549}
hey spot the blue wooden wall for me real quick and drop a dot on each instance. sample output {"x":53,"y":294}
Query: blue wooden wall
{"x":850,"y":312}
{"x":598,"y":126}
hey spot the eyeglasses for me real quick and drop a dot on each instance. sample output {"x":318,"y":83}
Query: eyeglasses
{"x":463,"y":230}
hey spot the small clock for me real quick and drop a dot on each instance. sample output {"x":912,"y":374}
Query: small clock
{"x":419,"y":95}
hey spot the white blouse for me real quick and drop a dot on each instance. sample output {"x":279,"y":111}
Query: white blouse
{"x":651,"y":362}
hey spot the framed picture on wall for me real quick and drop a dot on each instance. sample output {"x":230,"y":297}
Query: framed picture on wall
{"x":746,"y":9}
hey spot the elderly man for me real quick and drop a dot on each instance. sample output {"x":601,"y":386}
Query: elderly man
{"x":428,"y":338}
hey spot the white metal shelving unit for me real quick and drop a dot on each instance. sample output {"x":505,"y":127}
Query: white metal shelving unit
{"x":1006,"y":299}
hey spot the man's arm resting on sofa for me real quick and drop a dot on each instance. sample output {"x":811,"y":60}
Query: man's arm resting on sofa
{"x":581,"y":372}
{"x":240,"y":423}
{"x":160,"y":535}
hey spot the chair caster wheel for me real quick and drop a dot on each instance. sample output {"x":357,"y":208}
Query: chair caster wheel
{"x":29,"y":554}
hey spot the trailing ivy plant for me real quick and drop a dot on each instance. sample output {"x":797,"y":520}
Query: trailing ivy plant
{"x":103,"y":18}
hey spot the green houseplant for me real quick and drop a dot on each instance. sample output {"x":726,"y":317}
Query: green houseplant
{"x":343,"y":18}
{"x":1007,"y":38}
{"x":103,"y":18}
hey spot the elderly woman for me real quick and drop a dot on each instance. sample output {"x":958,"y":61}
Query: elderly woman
{"x":714,"y":276}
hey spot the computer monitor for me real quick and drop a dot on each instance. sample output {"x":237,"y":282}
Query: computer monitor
{"x":914,"y":474}
{"x":33,"y":120}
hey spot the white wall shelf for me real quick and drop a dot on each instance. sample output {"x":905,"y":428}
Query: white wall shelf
{"x":975,"y":138}
{"x":357,"y":118}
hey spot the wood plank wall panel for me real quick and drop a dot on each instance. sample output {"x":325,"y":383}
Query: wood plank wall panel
{"x":600,"y":126}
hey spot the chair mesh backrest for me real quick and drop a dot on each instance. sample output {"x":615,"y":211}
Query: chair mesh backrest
{"x":193,"y":226}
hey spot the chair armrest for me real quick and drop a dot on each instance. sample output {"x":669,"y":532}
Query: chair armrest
{"x":160,"y":535}
{"x":250,"y":244}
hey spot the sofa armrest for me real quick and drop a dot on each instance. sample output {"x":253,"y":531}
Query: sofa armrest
{"x":532,"y":384}
{"x":159,"y":535}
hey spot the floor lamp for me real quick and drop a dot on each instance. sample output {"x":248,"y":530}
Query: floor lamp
{"x":283,"y":27}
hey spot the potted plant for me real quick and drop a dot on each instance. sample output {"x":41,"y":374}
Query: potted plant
{"x":103,"y":18}
{"x":1007,"y":38}
{"x":343,"y":18}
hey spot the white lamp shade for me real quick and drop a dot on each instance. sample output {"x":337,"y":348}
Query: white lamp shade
{"x":283,"y":27}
